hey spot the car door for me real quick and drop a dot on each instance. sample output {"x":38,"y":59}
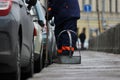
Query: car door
{"x":27,"y":35}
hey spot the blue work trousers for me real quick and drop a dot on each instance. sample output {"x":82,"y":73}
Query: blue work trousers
{"x":63,"y":39}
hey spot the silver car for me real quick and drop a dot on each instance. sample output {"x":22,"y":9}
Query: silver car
{"x":38,"y":45}
{"x":47,"y":30}
{"x":16,"y":38}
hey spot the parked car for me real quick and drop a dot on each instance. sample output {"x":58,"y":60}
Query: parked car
{"x":16,"y":38}
{"x":38,"y":45}
{"x":47,"y":30}
{"x":38,"y":49}
{"x":51,"y":26}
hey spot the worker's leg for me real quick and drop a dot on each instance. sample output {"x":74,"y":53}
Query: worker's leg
{"x":70,"y":25}
{"x":64,"y":43}
{"x":58,"y":29}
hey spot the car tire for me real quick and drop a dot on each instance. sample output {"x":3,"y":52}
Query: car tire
{"x":37,"y":65}
{"x":54,"y":51}
{"x":49,"y":58}
{"x":17,"y":74}
{"x":44,"y":58}
{"x":30,"y":71}
{"x":41,"y":58}
{"x":39,"y":62}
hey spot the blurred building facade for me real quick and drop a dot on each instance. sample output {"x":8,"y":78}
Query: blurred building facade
{"x":108,"y":12}
{"x":104,"y":14}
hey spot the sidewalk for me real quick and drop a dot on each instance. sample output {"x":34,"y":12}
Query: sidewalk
{"x":94,"y":66}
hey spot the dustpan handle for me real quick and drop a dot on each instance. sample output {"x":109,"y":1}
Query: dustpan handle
{"x":70,"y":40}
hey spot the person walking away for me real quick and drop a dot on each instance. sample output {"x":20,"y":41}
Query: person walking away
{"x":65,"y":13}
{"x":82,"y":37}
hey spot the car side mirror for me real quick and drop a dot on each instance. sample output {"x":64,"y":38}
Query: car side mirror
{"x":52,"y":23}
{"x":41,"y":23}
{"x":31,"y":3}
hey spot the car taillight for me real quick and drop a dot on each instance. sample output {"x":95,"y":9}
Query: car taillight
{"x":5,"y":6}
{"x":35,"y":32}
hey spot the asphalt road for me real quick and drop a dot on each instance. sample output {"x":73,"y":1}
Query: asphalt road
{"x":94,"y":66}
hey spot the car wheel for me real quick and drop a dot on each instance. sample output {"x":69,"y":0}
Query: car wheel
{"x":30,"y":72}
{"x":50,"y":57}
{"x":39,"y":62}
{"x":17,"y":74}
{"x":41,"y":58}
{"x":37,"y":65}
{"x":54,"y":52}
{"x":44,"y":58}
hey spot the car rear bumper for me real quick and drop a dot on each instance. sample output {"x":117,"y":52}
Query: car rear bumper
{"x":7,"y":62}
{"x":7,"y":53}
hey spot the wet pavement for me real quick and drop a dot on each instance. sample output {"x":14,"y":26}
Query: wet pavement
{"x":94,"y":66}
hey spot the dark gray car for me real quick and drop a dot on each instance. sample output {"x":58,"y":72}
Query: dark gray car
{"x":16,"y":38}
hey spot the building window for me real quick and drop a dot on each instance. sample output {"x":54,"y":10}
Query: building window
{"x":90,"y":1}
{"x":110,"y":2}
{"x":83,"y":2}
{"x":97,"y":6}
{"x":116,"y":6}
